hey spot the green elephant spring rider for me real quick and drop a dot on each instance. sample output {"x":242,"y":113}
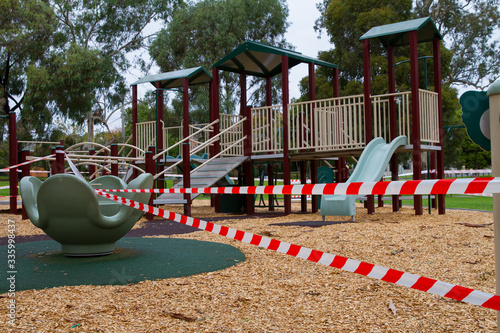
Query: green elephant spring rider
{"x":69,"y":211}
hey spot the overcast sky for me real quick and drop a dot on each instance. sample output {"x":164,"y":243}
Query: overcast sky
{"x":302,"y":15}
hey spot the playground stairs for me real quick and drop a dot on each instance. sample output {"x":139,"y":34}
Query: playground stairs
{"x":206,"y":176}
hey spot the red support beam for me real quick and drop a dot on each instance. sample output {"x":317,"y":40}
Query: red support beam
{"x":437,"y":88}
{"x":415,"y":105}
{"x":247,"y":166}
{"x":286,"y":134}
{"x":160,"y":104}
{"x":25,"y":171}
{"x":314,"y":163}
{"x":134,"y":127}
{"x":216,"y":199}
{"x":243,"y":92}
{"x":114,"y":163}
{"x":160,"y":116}
{"x":216,"y":105}
{"x":186,"y":158}
{"x":393,"y":120}
{"x":91,"y":167}
{"x":270,"y":176}
{"x":150,"y":166}
{"x":134,"y":118}
{"x":13,"y":177}
{"x":59,"y":159}
{"x":367,"y":73}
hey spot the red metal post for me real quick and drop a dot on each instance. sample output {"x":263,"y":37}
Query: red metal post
{"x":367,"y":72}
{"x":25,"y":171}
{"x":150,"y":166}
{"x":134,"y":126}
{"x":60,"y":159}
{"x":91,"y":167}
{"x":114,"y":162}
{"x":437,"y":88}
{"x":216,"y":128}
{"x":270,"y":175}
{"x":367,"y":91}
{"x":159,"y":130}
{"x":243,"y":92}
{"x":286,"y":134}
{"x":13,"y":177}
{"x":393,"y":120}
{"x":314,"y":163}
{"x":247,"y":166}
{"x":186,"y":158}
{"x":415,"y":105}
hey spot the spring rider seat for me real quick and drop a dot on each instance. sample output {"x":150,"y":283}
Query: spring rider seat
{"x":69,"y":211}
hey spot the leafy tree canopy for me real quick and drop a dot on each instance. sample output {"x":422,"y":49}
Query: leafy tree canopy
{"x":78,"y":74}
{"x":26,"y":29}
{"x":469,"y":55}
{"x":203,"y":32}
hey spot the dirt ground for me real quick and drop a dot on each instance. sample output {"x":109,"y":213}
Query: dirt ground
{"x":272,"y":292}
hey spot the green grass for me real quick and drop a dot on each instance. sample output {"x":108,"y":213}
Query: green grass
{"x":4,"y":183}
{"x":461,"y":202}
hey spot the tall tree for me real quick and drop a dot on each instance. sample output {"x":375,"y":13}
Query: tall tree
{"x":26,"y":30}
{"x":467,"y":28}
{"x":469,"y":55}
{"x":203,"y":32}
{"x":81,"y":77}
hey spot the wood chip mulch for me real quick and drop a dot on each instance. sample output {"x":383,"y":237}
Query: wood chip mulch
{"x":272,"y":292}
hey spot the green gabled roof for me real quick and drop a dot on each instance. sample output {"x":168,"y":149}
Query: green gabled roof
{"x":263,"y":60}
{"x":397,"y":34}
{"x":170,"y":80}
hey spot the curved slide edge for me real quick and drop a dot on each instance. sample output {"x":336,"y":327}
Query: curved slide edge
{"x":370,"y":168}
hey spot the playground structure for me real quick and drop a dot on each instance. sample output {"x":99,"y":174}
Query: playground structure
{"x":381,"y":114}
{"x":303,"y":132}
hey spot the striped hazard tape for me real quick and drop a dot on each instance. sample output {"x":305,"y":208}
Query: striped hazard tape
{"x":401,"y":278}
{"x":27,"y":162}
{"x":409,"y":187}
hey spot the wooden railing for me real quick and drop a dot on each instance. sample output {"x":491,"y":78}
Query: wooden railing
{"x":267,"y":129}
{"x":231,"y":128}
{"x":380,"y":109}
{"x":146,"y":134}
{"x":429,"y":116}
{"x":323,"y":125}
{"x":328,"y":124}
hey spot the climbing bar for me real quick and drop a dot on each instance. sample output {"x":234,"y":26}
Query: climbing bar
{"x":27,"y":162}
{"x":409,"y":187}
{"x":401,"y":278}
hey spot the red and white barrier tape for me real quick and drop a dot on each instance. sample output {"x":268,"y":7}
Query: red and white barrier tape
{"x":409,"y":187}
{"x":27,"y":162}
{"x":401,"y":278}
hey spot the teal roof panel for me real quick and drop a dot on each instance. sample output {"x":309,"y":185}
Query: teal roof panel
{"x":263,"y":60}
{"x":171,"y":80}
{"x":397,"y":34}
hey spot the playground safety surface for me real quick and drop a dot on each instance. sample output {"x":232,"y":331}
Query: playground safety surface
{"x":270,"y":291}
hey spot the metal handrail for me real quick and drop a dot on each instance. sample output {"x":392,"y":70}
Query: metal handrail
{"x":87,"y":143}
{"x":186,"y":138}
{"x":206,"y":143}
